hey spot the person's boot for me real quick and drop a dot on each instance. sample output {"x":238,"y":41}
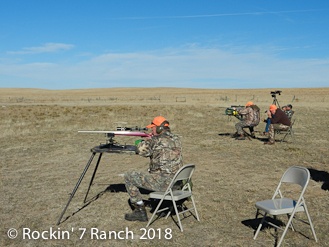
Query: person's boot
{"x":241,"y":137}
{"x":235,"y":135}
{"x":139,"y":214}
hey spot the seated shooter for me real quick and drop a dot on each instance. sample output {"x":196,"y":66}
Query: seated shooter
{"x":251,"y":119}
{"x":165,"y":152}
{"x":279,"y":121}
{"x":288,"y":111}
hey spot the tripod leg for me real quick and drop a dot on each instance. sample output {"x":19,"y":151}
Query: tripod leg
{"x":92,"y":178}
{"x":76,"y":187}
{"x":276,"y":102}
{"x":246,"y":134}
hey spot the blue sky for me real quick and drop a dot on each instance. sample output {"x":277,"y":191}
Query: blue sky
{"x":60,"y":44}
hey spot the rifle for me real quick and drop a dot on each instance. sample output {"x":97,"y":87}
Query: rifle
{"x":231,"y":112}
{"x":113,"y":133}
{"x":120,"y":131}
{"x":111,"y":144}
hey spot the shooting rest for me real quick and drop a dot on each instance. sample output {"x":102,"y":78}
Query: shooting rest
{"x":246,"y":134}
{"x":105,"y":148}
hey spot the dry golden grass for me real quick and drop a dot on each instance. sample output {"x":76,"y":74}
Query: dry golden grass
{"x":43,"y":156}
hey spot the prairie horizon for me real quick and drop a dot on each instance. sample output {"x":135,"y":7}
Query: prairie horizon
{"x":160,"y":95}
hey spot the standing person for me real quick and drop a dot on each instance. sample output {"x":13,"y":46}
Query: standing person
{"x":251,"y":119}
{"x":165,"y":152}
{"x":280,"y":121}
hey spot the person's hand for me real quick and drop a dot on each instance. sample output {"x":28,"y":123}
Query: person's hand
{"x":269,"y":114}
{"x":234,"y":108}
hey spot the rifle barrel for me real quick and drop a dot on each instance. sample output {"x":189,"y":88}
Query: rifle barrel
{"x":126,"y":133}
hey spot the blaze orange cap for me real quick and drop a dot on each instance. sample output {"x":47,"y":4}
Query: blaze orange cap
{"x":273,"y":108}
{"x":249,"y":103}
{"x":157,"y":122}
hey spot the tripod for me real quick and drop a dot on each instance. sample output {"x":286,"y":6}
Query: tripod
{"x":275,"y":101}
{"x":110,"y":147}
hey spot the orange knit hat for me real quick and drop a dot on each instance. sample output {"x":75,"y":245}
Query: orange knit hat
{"x":249,"y":103}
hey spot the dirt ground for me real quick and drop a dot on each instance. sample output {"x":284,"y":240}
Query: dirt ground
{"x":43,"y":156}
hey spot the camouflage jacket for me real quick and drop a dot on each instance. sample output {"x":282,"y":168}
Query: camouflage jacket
{"x":289,"y":113}
{"x":252,"y":115}
{"x":165,"y":152}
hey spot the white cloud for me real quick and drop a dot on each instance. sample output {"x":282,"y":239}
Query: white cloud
{"x":203,"y":64}
{"x":220,"y":15}
{"x":48,"y":47}
{"x":191,"y":66}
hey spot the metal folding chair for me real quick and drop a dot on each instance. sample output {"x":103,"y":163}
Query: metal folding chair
{"x":289,"y":131}
{"x":279,"y":206}
{"x":174,"y":195}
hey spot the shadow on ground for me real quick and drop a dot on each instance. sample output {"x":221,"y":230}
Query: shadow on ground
{"x":320,"y":176}
{"x":112,"y":188}
{"x":254,"y":223}
{"x":230,"y":135}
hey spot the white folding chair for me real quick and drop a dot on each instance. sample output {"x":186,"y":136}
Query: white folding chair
{"x":279,"y":206}
{"x":174,"y":195}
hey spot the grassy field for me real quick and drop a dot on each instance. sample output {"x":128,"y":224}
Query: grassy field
{"x":43,"y":156}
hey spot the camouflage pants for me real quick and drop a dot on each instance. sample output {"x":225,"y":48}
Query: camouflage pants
{"x":241,"y":125}
{"x":145,"y":180}
{"x":273,"y":127}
